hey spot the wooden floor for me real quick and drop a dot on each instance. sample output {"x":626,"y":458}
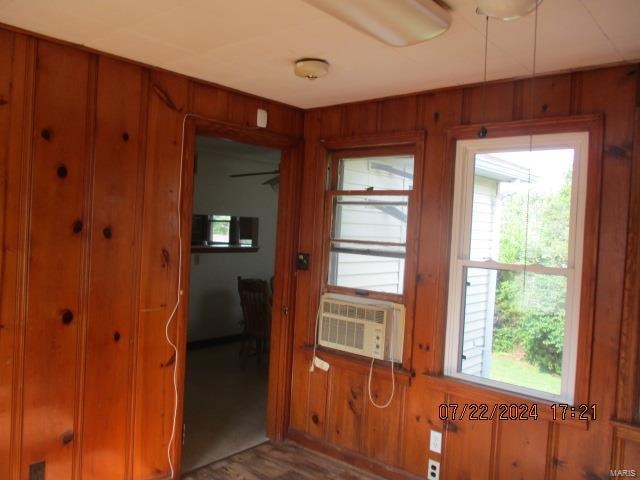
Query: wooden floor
{"x":284,"y":461}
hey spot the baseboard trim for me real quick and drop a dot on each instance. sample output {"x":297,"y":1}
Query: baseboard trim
{"x":350,"y":457}
{"x":213,"y":342}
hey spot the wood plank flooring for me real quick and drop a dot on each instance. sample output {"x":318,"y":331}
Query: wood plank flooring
{"x":284,"y":461}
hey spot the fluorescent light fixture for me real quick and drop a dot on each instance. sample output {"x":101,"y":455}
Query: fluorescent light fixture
{"x":395,"y":22}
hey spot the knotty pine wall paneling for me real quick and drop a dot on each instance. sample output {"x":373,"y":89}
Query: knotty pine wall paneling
{"x":16,"y":97}
{"x":153,"y":393}
{"x":483,"y":449}
{"x":611,"y":91}
{"x":114,"y":255}
{"x":89,"y":181}
{"x":7,"y":323}
{"x":56,"y":315}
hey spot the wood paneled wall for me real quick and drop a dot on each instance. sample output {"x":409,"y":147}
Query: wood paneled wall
{"x":330,"y":410}
{"x":89,"y":180}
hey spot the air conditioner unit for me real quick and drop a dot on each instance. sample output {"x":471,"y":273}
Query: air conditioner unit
{"x":372,"y":328}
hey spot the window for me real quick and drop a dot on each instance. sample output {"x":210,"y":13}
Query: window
{"x":220,"y":228}
{"x":516,"y":263}
{"x":370,"y":197}
{"x":224,"y":231}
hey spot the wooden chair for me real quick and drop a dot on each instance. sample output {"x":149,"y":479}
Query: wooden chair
{"x":256,"y":313}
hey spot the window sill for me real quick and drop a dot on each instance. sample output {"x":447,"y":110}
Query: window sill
{"x":490,"y":396}
{"x":357,"y":363}
{"x":222,"y":249}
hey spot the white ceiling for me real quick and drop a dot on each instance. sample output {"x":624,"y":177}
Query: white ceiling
{"x":250,"y":45}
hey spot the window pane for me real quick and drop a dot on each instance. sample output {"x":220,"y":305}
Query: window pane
{"x":380,"y":173}
{"x":368,"y":267}
{"x":513,"y":328}
{"x":220,"y":231}
{"x":376,"y":218}
{"x":521,"y":207}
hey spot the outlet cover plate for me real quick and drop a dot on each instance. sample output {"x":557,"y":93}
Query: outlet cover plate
{"x":433,"y":470}
{"x":435,"y":441}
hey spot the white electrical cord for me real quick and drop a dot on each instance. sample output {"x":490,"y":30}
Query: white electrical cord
{"x":393,"y":377}
{"x":179,"y":292}
{"x":175,"y":306}
{"x":315,"y":338}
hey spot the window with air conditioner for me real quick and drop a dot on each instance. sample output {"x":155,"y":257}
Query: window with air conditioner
{"x":369,"y":263}
{"x":516,"y":263}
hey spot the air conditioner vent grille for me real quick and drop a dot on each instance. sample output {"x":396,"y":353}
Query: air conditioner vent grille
{"x":354,"y":311}
{"x":342,"y":332}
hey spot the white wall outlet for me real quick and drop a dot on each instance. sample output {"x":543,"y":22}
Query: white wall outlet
{"x":435,"y":441}
{"x":262,"y":118}
{"x":433,"y":470}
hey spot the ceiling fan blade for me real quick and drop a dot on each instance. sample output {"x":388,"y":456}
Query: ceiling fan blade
{"x":271,"y":172}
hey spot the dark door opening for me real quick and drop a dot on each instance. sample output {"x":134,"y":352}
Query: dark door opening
{"x":235,"y":205}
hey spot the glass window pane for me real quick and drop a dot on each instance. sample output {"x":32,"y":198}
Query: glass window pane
{"x":521,"y":207}
{"x":380,"y":173}
{"x":376,"y":218}
{"x":220,"y":231}
{"x":367,"y":271}
{"x":513,"y":328}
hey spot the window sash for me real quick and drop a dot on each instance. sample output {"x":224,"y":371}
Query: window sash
{"x":402,"y":198}
{"x":369,"y":252}
{"x":516,"y":267}
{"x":466,"y":150}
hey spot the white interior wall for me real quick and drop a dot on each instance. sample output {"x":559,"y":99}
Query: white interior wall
{"x":214,"y":305}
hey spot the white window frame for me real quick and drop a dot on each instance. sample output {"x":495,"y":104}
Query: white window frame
{"x":466,"y":150}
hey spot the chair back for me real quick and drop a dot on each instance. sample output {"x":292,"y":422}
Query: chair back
{"x":254,"y":298}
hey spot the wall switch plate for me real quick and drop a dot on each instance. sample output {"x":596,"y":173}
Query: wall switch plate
{"x":36,"y":471}
{"x":433,"y":470}
{"x":435,"y":441}
{"x":302,"y":261}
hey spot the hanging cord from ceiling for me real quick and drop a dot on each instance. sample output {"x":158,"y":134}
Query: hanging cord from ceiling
{"x":482,"y":133}
{"x":531,"y":107}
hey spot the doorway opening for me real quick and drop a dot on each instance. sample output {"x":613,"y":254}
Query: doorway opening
{"x":232,"y":261}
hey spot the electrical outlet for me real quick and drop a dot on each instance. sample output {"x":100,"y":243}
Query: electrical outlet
{"x":433,"y":470}
{"x":435,"y":441}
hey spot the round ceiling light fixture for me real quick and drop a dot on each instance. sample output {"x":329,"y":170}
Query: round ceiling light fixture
{"x":506,"y":9}
{"x":311,"y":68}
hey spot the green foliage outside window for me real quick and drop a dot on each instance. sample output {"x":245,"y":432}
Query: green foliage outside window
{"x":530,"y":308}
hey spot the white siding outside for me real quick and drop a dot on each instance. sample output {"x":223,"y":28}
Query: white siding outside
{"x":370,"y":223}
{"x":481,"y":284}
